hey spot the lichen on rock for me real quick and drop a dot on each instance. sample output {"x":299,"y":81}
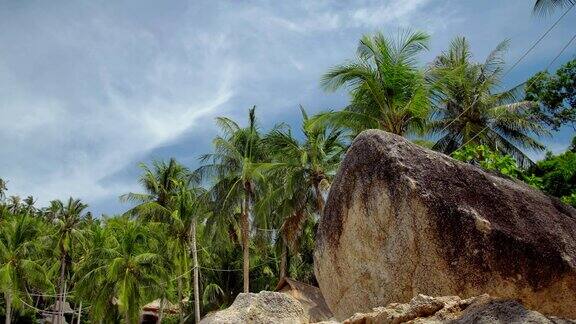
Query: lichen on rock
{"x":401,"y":220}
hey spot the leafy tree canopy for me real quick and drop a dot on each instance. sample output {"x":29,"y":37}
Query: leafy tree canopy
{"x":558,"y":173}
{"x":555,"y":175}
{"x":556,"y":94}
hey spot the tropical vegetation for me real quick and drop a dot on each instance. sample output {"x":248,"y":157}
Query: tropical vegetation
{"x":387,"y":87}
{"x":193,"y":237}
{"x":556,"y":95}
{"x":469,"y":109}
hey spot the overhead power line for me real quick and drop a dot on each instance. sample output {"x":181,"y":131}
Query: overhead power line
{"x":534,"y":80}
{"x":539,"y":39}
{"x":43,"y":311}
{"x":515,"y":63}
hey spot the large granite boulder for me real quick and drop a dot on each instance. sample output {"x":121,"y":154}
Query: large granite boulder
{"x":402,"y":220}
{"x":263,"y":307}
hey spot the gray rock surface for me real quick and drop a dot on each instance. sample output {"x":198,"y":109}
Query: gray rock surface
{"x":451,"y":309}
{"x":260,"y":308}
{"x":401,"y":220}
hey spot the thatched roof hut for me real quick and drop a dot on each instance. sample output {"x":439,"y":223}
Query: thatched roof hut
{"x":309,"y":296}
{"x":66,"y":308}
{"x":155,"y":306}
{"x":49,"y":316}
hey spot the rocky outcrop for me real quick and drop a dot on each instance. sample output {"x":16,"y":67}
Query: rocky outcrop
{"x":402,"y":220}
{"x":451,"y":309}
{"x":263,"y":307}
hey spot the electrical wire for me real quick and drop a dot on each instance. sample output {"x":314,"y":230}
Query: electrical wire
{"x":514,"y":65}
{"x":534,"y":80}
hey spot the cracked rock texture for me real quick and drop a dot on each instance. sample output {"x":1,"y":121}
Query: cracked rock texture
{"x":401,"y":220}
{"x":260,"y":308}
{"x":451,"y":309}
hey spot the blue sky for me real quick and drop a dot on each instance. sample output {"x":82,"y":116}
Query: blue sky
{"x":88,"y":89}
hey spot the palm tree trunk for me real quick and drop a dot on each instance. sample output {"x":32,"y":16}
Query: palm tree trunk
{"x":8,"y":298}
{"x":181,"y":313}
{"x":319,"y":199}
{"x":161,"y":313}
{"x":245,"y":242}
{"x":59,"y":298}
{"x":195,"y":265}
{"x":79,"y":312}
{"x":61,"y":313}
{"x":283,"y":260}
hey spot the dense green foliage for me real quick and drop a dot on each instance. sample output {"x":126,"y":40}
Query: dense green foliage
{"x":20,"y":252}
{"x":555,"y":175}
{"x":487,"y":159}
{"x":387,"y":88}
{"x":469,"y":110}
{"x":556,"y":95}
{"x":193,"y":239}
{"x":558,"y":173}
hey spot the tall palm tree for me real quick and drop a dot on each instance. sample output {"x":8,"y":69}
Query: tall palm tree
{"x":469,"y":109}
{"x":161,"y":185}
{"x":387,"y":87}
{"x":168,"y":199}
{"x":29,"y":205}
{"x":19,"y":270}
{"x":3,"y":189}
{"x":238,"y":165}
{"x":131,"y":267}
{"x":14,"y":204}
{"x":178,"y":256}
{"x":97,"y":247}
{"x":545,"y":7}
{"x":50,"y":213}
{"x":68,"y":219}
{"x":192,"y":204}
{"x":306,"y":170}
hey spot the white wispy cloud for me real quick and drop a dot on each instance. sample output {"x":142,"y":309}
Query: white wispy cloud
{"x":131,"y":97}
{"x":389,"y":12}
{"x":88,"y":89}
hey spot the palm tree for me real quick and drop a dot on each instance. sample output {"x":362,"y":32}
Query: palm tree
{"x":29,"y":205}
{"x":50,"y":213}
{"x":387,"y":88}
{"x":192,"y":204}
{"x":311,"y":164}
{"x":468,"y":109}
{"x":219,"y":238}
{"x":19,"y":271}
{"x":14,"y":204}
{"x":281,"y":213}
{"x":68,"y":219}
{"x":306,"y":170}
{"x":545,"y":7}
{"x":130,"y":267}
{"x":168,"y":199}
{"x":3,"y":189}
{"x":238,"y":165}
{"x":161,"y":186}
{"x":98,"y":247}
